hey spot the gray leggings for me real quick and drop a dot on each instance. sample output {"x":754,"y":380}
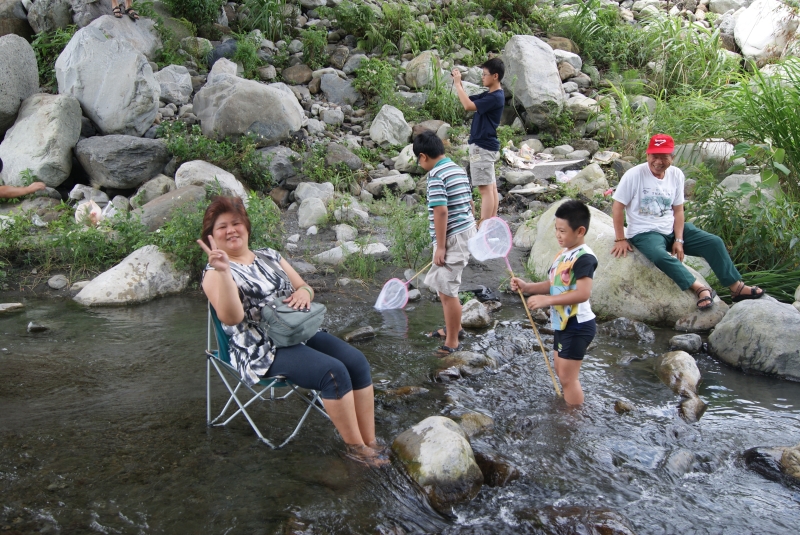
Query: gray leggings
{"x":324,"y":363}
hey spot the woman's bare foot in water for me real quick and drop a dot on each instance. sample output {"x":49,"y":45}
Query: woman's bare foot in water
{"x":367,"y":455}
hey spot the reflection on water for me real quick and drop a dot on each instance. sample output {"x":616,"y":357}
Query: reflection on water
{"x":102,"y":429}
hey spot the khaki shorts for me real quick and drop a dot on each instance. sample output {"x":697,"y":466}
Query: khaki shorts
{"x":446,"y":279}
{"x":481,"y":165}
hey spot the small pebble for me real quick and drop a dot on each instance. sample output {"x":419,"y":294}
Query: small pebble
{"x":58,"y":282}
{"x":312,"y":231}
{"x":623,"y":407}
{"x":691,"y":343}
{"x":294,"y":238}
{"x":364,"y":333}
{"x":414,"y":295}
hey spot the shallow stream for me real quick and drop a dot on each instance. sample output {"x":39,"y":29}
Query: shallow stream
{"x":102,"y":430}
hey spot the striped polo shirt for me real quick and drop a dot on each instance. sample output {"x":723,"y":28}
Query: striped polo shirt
{"x":448,"y":185}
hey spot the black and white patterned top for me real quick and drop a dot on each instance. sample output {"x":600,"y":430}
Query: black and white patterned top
{"x":251,"y":351}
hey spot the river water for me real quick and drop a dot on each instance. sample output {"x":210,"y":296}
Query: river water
{"x":102,"y":430}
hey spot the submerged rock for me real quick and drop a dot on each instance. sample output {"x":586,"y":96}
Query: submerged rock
{"x":678,"y":370}
{"x":628,"y":329}
{"x":497,"y":470}
{"x":571,"y":520}
{"x":439,"y":459}
{"x":364,"y":333}
{"x":467,"y":363}
{"x":768,"y":462}
{"x":11,"y":307}
{"x":37,"y":328}
{"x":623,"y":407}
{"x":691,"y":343}
{"x":475,"y":315}
{"x":475,"y":423}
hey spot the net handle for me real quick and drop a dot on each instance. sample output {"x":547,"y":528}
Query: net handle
{"x":417,"y":274}
{"x":536,"y":332}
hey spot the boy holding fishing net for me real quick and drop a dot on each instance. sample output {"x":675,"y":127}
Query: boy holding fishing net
{"x":451,"y":225}
{"x":569,"y":286}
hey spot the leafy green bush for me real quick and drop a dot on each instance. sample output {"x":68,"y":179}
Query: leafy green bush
{"x":48,"y":46}
{"x":269,"y":16}
{"x":442,"y":104}
{"x":604,"y":38}
{"x":375,"y":79}
{"x":687,"y":61}
{"x":354,"y":17}
{"x":407,"y":230}
{"x":239,"y":157}
{"x":315,"y":40}
{"x":201,"y":13}
{"x":508,"y":10}
{"x":247,"y":46}
{"x":762,"y":109}
{"x":761,"y":234}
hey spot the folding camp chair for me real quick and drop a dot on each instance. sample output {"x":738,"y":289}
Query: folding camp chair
{"x":220,"y":359}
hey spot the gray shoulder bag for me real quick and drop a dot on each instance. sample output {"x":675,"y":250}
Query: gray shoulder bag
{"x":284,"y":325}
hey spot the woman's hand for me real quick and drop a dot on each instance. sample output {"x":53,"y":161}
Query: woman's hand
{"x":217,"y":258}
{"x":300,"y":299}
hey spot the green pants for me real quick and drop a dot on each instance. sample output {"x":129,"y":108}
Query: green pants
{"x":657,"y":247}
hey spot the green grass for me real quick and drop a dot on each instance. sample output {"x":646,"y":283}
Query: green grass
{"x":47,"y":46}
{"x":407,"y":230}
{"x":269,"y":16}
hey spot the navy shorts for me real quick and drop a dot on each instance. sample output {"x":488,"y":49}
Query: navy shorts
{"x":571,"y":343}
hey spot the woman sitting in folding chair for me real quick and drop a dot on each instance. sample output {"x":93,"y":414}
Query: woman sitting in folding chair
{"x":238,"y":283}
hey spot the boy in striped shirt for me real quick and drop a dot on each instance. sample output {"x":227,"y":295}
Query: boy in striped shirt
{"x":451,"y":225}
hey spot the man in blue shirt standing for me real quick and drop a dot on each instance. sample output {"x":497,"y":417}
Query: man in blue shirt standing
{"x":484,"y":146}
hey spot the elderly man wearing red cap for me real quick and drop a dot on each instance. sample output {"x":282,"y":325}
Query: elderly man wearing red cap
{"x":650,"y":197}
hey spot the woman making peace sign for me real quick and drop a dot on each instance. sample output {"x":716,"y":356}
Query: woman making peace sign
{"x":238,"y":283}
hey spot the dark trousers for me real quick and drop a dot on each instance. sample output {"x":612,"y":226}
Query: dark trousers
{"x":324,"y":363}
{"x":657,"y":247}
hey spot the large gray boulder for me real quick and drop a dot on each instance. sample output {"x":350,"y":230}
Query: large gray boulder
{"x":161,"y":209}
{"x":176,"y":84}
{"x":49,"y":15}
{"x":420,"y":70}
{"x":631,"y":287}
{"x":207,"y":175}
{"x":532,"y":78}
{"x":338,"y":90}
{"x":142,"y":36}
{"x":232,"y":106}
{"x":761,"y":336}
{"x":390,"y":126}
{"x":122,"y":162}
{"x":113,"y":82}
{"x":764,"y":29}
{"x":42,"y":139}
{"x":438,"y":457}
{"x":143,"y":275}
{"x":19,"y":77}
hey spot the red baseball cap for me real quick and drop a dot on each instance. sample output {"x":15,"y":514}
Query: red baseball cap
{"x":661,"y":144}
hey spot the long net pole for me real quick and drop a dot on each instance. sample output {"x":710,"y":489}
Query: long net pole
{"x":536,"y":332}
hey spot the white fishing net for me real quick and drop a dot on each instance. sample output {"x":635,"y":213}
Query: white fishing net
{"x":493,"y":240}
{"x":393,"y":295}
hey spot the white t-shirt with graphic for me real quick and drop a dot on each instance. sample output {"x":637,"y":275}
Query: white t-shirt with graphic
{"x":648,"y":200}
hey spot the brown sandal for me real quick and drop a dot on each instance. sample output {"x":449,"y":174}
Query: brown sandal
{"x":755,"y":293}
{"x":704,"y":303}
{"x":117,"y":12}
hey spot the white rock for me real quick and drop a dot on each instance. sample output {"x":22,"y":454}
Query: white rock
{"x":333,"y":117}
{"x":764,"y":30}
{"x":345,"y":233}
{"x":590,"y":180}
{"x":474,"y":315}
{"x":19,"y":77}
{"x":42,"y":140}
{"x":389,"y":126}
{"x":176,"y":84}
{"x":58,"y":282}
{"x":113,"y":82}
{"x":11,"y":307}
{"x":532,"y":77}
{"x":420,"y":70}
{"x":569,"y":57}
{"x":336,"y":255}
{"x":402,"y":183}
{"x":761,"y":335}
{"x":142,"y":36}
{"x":222,"y":68}
{"x":312,"y":230}
{"x":233,"y":106}
{"x":438,"y":456}
{"x":308,"y":190}
{"x":312,"y":212}
{"x":200,"y":173}
{"x":406,"y":162}
{"x":143,"y":275}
